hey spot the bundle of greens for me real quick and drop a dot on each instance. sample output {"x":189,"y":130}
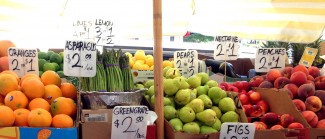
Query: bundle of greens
{"x":113,"y":72}
{"x":126,"y":72}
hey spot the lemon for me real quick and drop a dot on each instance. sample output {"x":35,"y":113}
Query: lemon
{"x":145,"y":67}
{"x":137,"y":66}
{"x":131,"y":62}
{"x":128,"y":54}
{"x":172,"y":62}
{"x":140,"y":61}
{"x":151,"y":68}
{"x":149,"y":56}
{"x":167,"y":63}
{"x":140,"y":55}
{"x":149,"y":62}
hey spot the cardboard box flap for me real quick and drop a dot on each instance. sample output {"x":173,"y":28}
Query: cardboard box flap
{"x":280,"y":103}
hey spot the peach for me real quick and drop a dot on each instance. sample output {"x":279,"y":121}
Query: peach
{"x":313,"y":103}
{"x":255,"y":111}
{"x":260,"y":126}
{"x":246,"y":108}
{"x":321,"y":113}
{"x":281,"y":82}
{"x":320,"y":82}
{"x":264,"y":105}
{"x":295,"y":125}
{"x":254,"y":97}
{"x":321,"y":124}
{"x":314,"y":71}
{"x":305,"y":91}
{"x":310,"y":78}
{"x":301,"y":68}
{"x":310,"y":82}
{"x":286,"y":72}
{"x":293,"y":88}
{"x":256,"y":81}
{"x":321,"y":95}
{"x":310,"y":117}
{"x":243,"y":98}
{"x":300,"y":105}
{"x":298,"y":78}
{"x":266,"y":84}
{"x":289,"y":93}
{"x":273,"y":74}
{"x":270,"y":119}
{"x":286,"y":120}
{"x":277,"y":127}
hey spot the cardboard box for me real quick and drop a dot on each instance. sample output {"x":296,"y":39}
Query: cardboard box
{"x":171,"y":134}
{"x":97,"y":124}
{"x":34,"y":133}
{"x":316,"y":133}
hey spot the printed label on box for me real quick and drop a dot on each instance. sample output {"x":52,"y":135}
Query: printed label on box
{"x":96,"y":118}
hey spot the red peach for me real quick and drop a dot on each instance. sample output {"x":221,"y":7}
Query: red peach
{"x":270,"y":119}
{"x":286,"y":72}
{"x":310,"y":117}
{"x":256,"y":81}
{"x":255,"y":111}
{"x":313,"y":103}
{"x":264,"y":105}
{"x":260,"y":126}
{"x":305,"y":91}
{"x":276,"y":127}
{"x":321,"y":113}
{"x":321,"y":124}
{"x":286,"y":120}
{"x":321,"y":95}
{"x":298,"y":78}
{"x":243,"y":98}
{"x":301,"y":68}
{"x":320,"y":82}
{"x":300,"y":105}
{"x":266,"y":84}
{"x":314,"y":71}
{"x":255,"y":97}
{"x":281,"y":82}
{"x":295,"y":125}
{"x":273,"y":74}
{"x":310,"y":78}
{"x":293,"y":88}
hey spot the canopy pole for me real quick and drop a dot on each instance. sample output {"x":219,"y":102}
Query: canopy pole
{"x":158,"y":76}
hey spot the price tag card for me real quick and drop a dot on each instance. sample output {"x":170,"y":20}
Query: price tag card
{"x":308,"y":56}
{"x":226,"y":48}
{"x":186,"y":62}
{"x":23,"y":61}
{"x":129,"y":122}
{"x":237,"y":131}
{"x":80,"y":59}
{"x":270,"y":58}
{"x":100,"y":30}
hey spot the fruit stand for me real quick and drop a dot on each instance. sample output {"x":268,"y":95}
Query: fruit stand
{"x":87,"y":90}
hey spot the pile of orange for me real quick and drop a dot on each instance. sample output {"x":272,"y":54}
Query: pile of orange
{"x":36,"y":101}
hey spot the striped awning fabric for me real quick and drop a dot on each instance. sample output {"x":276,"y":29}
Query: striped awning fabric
{"x":300,"y":21}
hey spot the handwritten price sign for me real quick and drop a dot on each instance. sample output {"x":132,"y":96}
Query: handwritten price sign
{"x":186,"y":62}
{"x":99,"y":29}
{"x":270,"y":58}
{"x":237,"y":131}
{"x":23,"y":61}
{"x":129,"y":122}
{"x":226,"y":48}
{"x":80,"y":59}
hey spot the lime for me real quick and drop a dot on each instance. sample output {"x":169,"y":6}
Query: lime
{"x":61,"y":74}
{"x":49,"y":53}
{"x":49,"y":66}
{"x":61,"y":54}
{"x":56,"y":58}
{"x":41,"y":62}
{"x":43,"y":55}
{"x":61,"y":67}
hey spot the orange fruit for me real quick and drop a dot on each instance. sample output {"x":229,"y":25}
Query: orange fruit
{"x":52,"y":92}
{"x":28,"y":76}
{"x":33,"y":88}
{"x":16,"y":99}
{"x":11,"y":73}
{"x":63,"y":105}
{"x":62,"y":121}
{"x":68,"y":90}
{"x":21,"y":115}
{"x":51,"y":77}
{"x":39,"y":103}
{"x":2,"y":100}
{"x":7,"y":116}
{"x":4,"y":45}
{"x":39,"y":118}
{"x":8,"y":83}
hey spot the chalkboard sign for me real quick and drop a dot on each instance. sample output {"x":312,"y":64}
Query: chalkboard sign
{"x":226,"y":48}
{"x":99,"y":30}
{"x":129,"y":122}
{"x":23,"y":61}
{"x":237,"y":131}
{"x":270,"y":58}
{"x":80,"y":58}
{"x":308,"y":56}
{"x":186,"y":62}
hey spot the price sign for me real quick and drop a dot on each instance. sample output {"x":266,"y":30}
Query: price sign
{"x":226,"y":48}
{"x":129,"y":122}
{"x":237,"y":131}
{"x":80,"y":59}
{"x":270,"y":58}
{"x":101,"y":30}
{"x":308,"y":56}
{"x":186,"y":62}
{"x":23,"y":61}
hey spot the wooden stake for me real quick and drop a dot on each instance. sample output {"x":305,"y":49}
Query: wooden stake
{"x":158,"y":76}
